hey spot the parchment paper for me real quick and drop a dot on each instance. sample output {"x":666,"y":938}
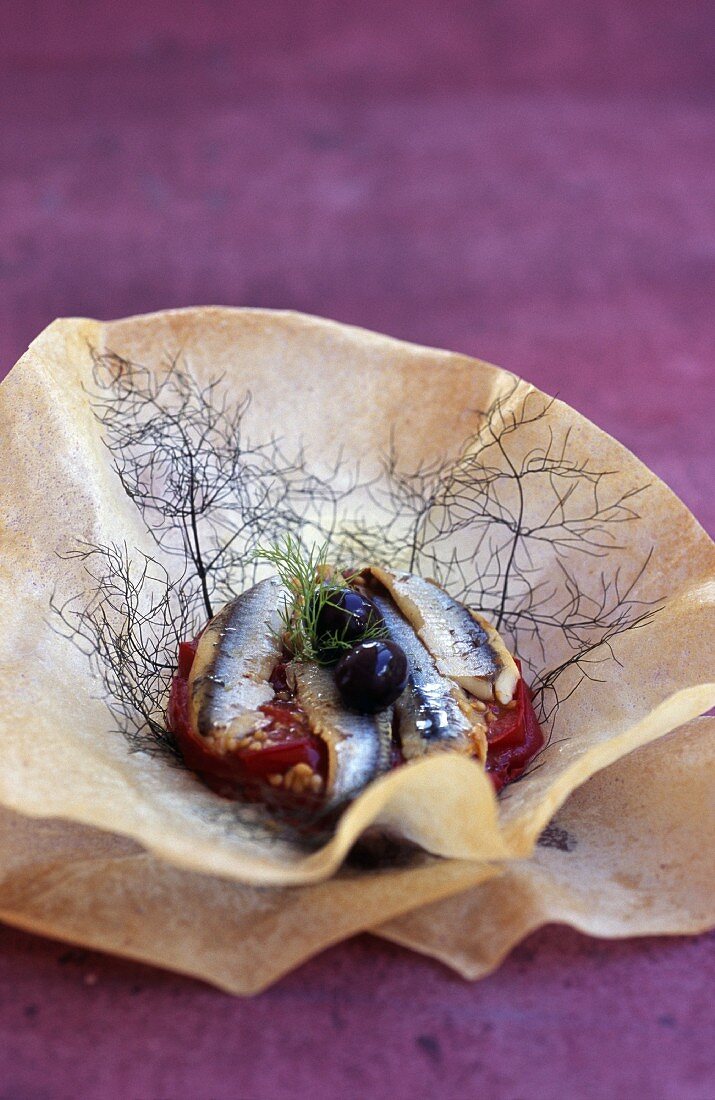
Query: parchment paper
{"x":329,"y":390}
{"x":622,"y":858}
{"x":629,"y":854}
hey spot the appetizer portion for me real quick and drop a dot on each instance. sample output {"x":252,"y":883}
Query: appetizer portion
{"x":315,"y":681}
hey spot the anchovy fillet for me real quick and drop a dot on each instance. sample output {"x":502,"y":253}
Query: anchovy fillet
{"x":236,"y":655}
{"x":466,"y":647}
{"x":432,"y":713}
{"x":358,"y":744}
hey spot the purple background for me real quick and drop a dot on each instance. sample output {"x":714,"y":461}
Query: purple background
{"x":530,"y":182}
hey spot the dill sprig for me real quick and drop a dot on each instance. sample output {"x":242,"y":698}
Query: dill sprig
{"x":313,"y":584}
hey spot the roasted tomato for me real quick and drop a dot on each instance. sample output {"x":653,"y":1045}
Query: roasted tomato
{"x":285,"y":755}
{"x":514,"y":736}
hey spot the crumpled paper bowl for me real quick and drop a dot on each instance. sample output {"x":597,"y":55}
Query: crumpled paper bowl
{"x":599,"y":576}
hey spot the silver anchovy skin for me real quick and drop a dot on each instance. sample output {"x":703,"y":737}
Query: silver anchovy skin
{"x":236,"y":655}
{"x":358,"y":744}
{"x":466,"y":647}
{"x":432,"y":712}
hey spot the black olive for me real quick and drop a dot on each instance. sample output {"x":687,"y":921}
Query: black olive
{"x":371,"y":675}
{"x":348,"y":616}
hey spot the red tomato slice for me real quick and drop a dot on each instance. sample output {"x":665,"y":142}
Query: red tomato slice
{"x":514,"y":737}
{"x":187,"y":652}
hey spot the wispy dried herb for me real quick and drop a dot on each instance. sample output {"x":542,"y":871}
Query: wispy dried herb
{"x":208,"y":495}
{"x":129,"y":621}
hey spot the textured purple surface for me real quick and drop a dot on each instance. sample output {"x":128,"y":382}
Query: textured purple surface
{"x":528,"y":182}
